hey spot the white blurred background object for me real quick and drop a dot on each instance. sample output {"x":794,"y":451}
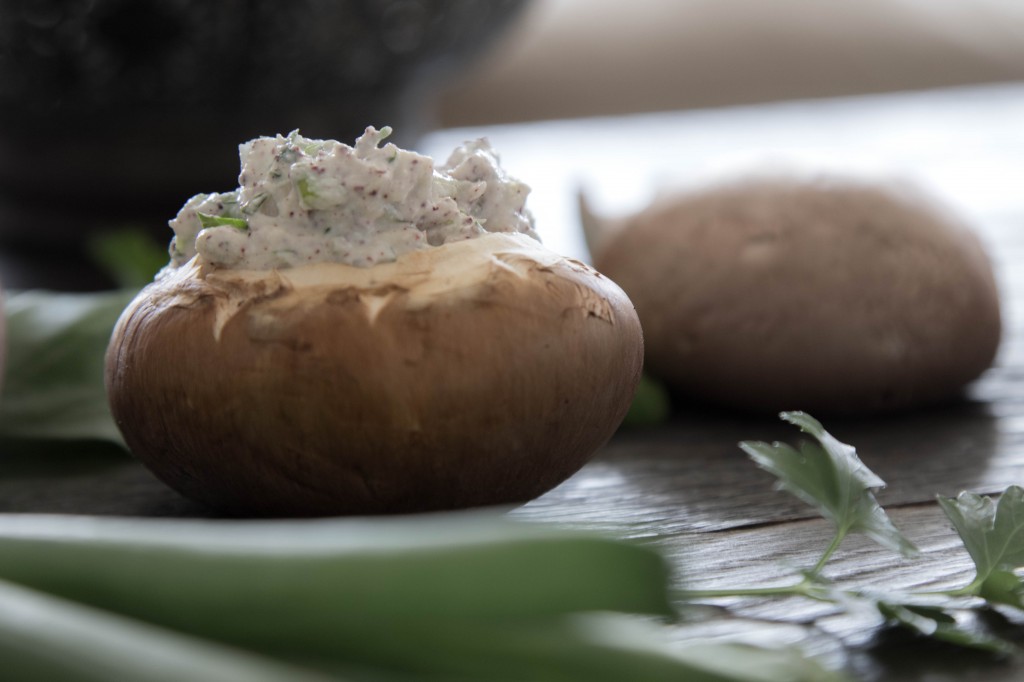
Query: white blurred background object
{"x":626,"y":100}
{"x":573,"y":58}
{"x":964,"y":144}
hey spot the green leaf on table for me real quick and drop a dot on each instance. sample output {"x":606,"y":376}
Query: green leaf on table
{"x":596,"y":647}
{"x":829,"y":476}
{"x":53,"y":385}
{"x":132,"y":257}
{"x":1002,"y":587}
{"x":993,"y":534}
{"x":733,"y":661}
{"x":650,"y":406}
{"x":938,"y":623}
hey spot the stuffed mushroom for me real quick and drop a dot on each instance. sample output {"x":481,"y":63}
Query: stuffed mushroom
{"x":356,"y":330}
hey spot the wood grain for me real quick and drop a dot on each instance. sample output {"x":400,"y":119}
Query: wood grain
{"x":688,"y":488}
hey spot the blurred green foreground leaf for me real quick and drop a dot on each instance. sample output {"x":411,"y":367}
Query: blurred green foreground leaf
{"x":460,"y":596}
{"x":53,"y":385}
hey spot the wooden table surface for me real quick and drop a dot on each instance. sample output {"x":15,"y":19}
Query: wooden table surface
{"x":685,"y":485}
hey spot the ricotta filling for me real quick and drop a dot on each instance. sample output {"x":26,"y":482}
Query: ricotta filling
{"x":302,"y":201}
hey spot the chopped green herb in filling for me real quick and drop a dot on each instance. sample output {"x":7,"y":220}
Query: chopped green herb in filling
{"x":207,"y":220}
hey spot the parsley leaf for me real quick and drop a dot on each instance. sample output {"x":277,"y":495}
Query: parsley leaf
{"x":207,"y":220}
{"x":829,"y":476}
{"x":993,"y":534}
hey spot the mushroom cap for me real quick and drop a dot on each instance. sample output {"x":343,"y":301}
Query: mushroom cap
{"x":831,"y":295}
{"x":476,"y":373}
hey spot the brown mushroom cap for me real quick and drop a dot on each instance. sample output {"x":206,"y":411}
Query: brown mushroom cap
{"x":830,"y":295}
{"x":480,"y":372}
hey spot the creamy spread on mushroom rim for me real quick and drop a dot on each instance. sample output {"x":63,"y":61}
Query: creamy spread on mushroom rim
{"x":303,"y":201}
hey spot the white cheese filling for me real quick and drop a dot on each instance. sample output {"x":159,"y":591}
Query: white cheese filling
{"x":302,"y":201}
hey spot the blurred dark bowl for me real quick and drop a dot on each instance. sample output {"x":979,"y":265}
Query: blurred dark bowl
{"x":114,"y":112}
